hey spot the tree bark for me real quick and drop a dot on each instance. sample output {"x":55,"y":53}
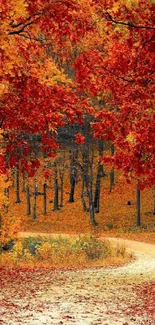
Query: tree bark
{"x":13,"y":177}
{"x":72,"y":190}
{"x":17,"y":185}
{"x":73,"y":173}
{"x":82,"y":197}
{"x":61,"y":187}
{"x":90,"y":191}
{"x":88,"y":180}
{"x":97,"y":191}
{"x":35,"y":193}
{"x":88,"y":160}
{"x":56,"y":188}
{"x":6,"y":204}
{"x":100,"y":173}
{"x":28,"y":200}
{"x":112,"y":172}
{"x":45,"y":197}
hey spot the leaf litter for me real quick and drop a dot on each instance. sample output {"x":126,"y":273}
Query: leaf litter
{"x":95,"y":296}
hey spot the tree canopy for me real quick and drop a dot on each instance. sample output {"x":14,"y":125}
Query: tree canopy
{"x":64,"y":59}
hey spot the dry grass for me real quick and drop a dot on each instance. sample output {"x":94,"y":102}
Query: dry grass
{"x":61,"y":252}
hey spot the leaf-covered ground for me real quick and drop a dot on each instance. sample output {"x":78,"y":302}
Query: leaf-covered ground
{"x":116,"y":217}
{"x":123,"y":295}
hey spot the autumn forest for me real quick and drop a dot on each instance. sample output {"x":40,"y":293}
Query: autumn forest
{"x":77,"y":136}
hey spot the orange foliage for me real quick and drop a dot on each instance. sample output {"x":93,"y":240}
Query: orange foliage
{"x":9,"y":222}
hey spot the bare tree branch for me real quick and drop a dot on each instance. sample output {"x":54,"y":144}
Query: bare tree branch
{"x":19,"y":31}
{"x":116,"y":75}
{"x":19,"y":24}
{"x":1,"y":123}
{"x":23,"y":25}
{"x":128,"y":24}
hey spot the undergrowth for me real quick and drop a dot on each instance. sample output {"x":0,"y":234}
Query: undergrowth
{"x":63,"y":252}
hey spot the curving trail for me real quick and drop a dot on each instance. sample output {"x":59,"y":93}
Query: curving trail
{"x":111,"y":296}
{"x":145,"y":258}
{"x":144,"y":253}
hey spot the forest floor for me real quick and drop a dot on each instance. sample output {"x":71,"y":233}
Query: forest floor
{"x":96,"y":296}
{"x":115,"y":219}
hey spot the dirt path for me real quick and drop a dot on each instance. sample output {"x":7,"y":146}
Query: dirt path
{"x":144,"y":253}
{"x":111,"y":296}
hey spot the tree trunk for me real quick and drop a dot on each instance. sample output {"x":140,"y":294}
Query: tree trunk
{"x":73,"y":173}
{"x":138,"y":221}
{"x":85,"y":161}
{"x":90,"y":192}
{"x":45,"y":201}
{"x":72,"y":190}
{"x":6,"y":205}
{"x":101,"y":152}
{"x":91,"y":207}
{"x":112,"y":172}
{"x":62,"y":188}
{"x":13,"y":177}
{"x":97,"y":191}
{"x":28,"y":200}
{"x":100,"y":173}
{"x":91,"y":203}
{"x":56,"y":189}
{"x":88,"y":178}
{"x":17,"y":185}
{"x":35,"y":193}
{"x":82,"y":197}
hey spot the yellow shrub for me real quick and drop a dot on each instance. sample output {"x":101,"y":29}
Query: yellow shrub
{"x":17,"y":251}
{"x":9,"y":222}
{"x":45,"y":252}
{"x":27,"y":255}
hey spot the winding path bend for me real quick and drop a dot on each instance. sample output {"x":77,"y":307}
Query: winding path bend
{"x":144,"y":264}
{"x":93,"y":296}
{"x":144,"y":253}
